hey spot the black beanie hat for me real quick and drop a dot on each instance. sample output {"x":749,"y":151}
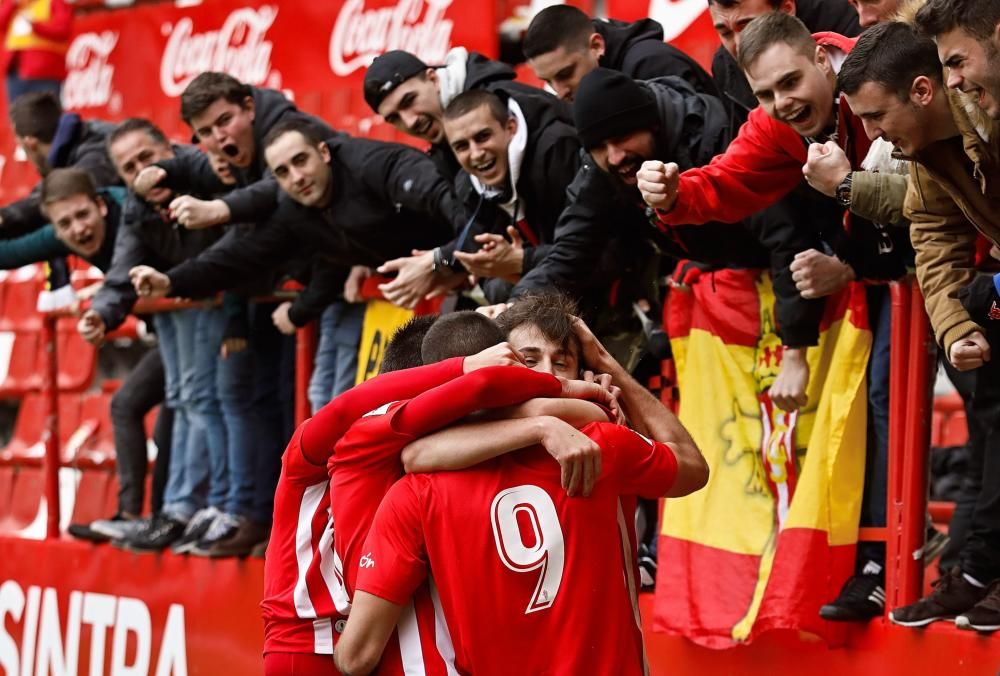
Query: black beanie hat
{"x":609,"y":104}
{"x":387,"y":72}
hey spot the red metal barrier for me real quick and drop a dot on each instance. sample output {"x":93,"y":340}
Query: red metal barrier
{"x":51,"y":434}
{"x":305,"y":351}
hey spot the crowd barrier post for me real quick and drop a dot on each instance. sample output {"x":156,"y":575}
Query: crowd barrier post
{"x":50,"y":388}
{"x":305,"y":351}
{"x":913,"y":496}
{"x":900,"y":294}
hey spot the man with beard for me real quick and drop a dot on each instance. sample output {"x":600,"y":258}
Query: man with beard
{"x":513,"y":184}
{"x":562,"y":44}
{"x":412,"y":96}
{"x":603,"y":239}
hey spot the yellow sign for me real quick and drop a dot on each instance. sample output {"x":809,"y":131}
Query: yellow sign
{"x":381,"y":321}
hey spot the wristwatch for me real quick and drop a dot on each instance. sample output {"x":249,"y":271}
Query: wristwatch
{"x":843,"y":193}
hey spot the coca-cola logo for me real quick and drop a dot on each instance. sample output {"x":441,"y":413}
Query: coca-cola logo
{"x":416,"y":26}
{"x":238,"y":48}
{"x":89,"y":75}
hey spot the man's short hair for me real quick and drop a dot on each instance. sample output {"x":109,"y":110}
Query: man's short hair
{"x":770,"y":29}
{"x":403,"y":350}
{"x":134,"y":124}
{"x":459,"y":334}
{"x":978,"y":18}
{"x":61,"y":184}
{"x":473,"y":99}
{"x":36,"y":114}
{"x":551,"y":312}
{"x":310,"y":132}
{"x":208,"y":88}
{"x":892,"y":55}
{"x":555,"y":27}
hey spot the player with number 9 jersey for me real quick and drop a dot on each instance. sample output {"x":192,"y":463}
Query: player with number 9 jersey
{"x":531,"y":581}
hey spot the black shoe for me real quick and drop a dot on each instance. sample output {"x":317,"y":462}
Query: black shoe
{"x":952,"y":595}
{"x":82,"y":531}
{"x":985,"y":615}
{"x":861,"y":599}
{"x":195,"y":530}
{"x":157,"y":536}
{"x":223,"y":528}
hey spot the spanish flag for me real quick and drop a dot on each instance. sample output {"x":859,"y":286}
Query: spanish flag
{"x":772,"y":536}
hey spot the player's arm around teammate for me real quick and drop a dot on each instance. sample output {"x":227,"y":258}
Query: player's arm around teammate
{"x":647,"y":414}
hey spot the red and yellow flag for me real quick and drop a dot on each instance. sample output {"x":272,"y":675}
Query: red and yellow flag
{"x":772,"y":536}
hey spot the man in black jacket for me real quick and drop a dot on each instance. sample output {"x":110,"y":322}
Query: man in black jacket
{"x":515,"y":171}
{"x":229,"y":119}
{"x":412,"y":96}
{"x":605,"y":235}
{"x":53,"y":139}
{"x":351,"y":201}
{"x":562,"y":44}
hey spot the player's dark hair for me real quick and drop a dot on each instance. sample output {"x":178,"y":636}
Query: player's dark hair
{"x":403,"y":350}
{"x":978,"y":18}
{"x":310,"y":132}
{"x":473,"y":99}
{"x":555,"y":27}
{"x":459,"y":334}
{"x":892,"y":55}
{"x":208,"y":88}
{"x":551,"y":312}
{"x":36,"y":114}
{"x":134,"y":124}
{"x":61,"y":184}
{"x":770,"y":29}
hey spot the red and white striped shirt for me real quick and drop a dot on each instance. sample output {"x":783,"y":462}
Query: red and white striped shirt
{"x":305,"y":602}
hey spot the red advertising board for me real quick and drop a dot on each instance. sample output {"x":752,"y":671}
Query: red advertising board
{"x":686,"y":23}
{"x":136,"y":62}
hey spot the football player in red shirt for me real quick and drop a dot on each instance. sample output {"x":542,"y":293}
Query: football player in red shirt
{"x":519,"y":494}
{"x":305,"y":600}
{"x":367,"y":462}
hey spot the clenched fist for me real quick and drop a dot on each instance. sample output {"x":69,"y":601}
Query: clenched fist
{"x":658,"y":183}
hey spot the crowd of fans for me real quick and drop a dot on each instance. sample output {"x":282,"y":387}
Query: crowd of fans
{"x":835,"y":142}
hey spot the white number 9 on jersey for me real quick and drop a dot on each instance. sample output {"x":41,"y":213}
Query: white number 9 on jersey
{"x":535,"y":509}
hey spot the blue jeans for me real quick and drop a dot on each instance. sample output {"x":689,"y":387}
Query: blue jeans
{"x":273,"y":404}
{"x":235,"y":384}
{"x":336,"y":364}
{"x":189,"y":344}
{"x":873,"y":503}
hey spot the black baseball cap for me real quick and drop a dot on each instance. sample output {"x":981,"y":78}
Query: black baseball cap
{"x":387,"y":72}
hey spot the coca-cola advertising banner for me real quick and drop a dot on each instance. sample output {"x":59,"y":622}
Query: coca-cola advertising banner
{"x":136,"y":62}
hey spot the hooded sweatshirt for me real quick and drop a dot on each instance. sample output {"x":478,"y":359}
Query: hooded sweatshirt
{"x":637,"y":49}
{"x":465,"y":71}
{"x":543,"y":157}
{"x":764,"y":163}
{"x":77,"y":143}
{"x":604,"y":244}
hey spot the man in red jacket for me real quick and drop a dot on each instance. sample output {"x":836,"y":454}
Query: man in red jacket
{"x":793,"y":76}
{"x":36,"y":36}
